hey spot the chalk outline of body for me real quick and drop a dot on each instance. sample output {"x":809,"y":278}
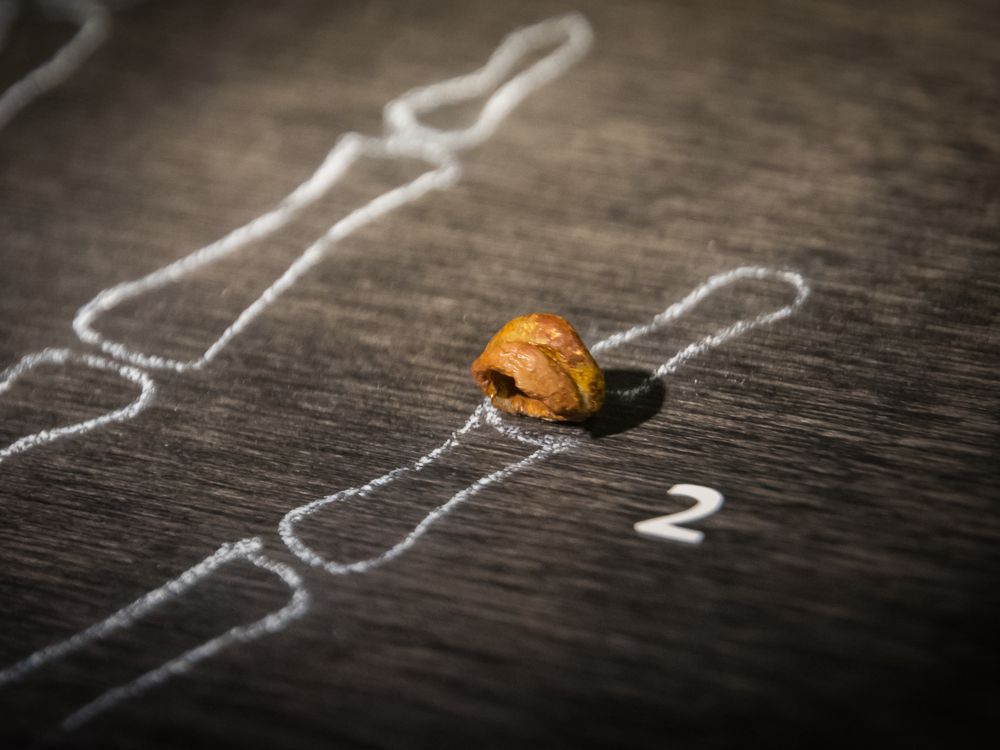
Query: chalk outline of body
{"x":547,"y":445}
{"x":407,"y":137}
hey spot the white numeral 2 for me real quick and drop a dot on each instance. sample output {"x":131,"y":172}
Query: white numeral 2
{"x":707,"y":500}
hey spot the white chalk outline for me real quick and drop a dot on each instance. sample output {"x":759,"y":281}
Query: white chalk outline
{"x":349,"y":149}
{"x":551,"y":445}
{"x":484,"y":414}
{"x":65,"y":356}
{"x":576,"y":37}
{"x":571,"y":32}
{"x":246,"y":549}
{"x":94,"y":23}
{"x":405,"y":139}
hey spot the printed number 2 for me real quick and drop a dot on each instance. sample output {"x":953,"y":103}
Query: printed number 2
{"x":707,"y":500}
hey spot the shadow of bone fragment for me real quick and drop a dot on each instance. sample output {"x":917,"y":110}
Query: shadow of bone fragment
{"x":632,"y":397}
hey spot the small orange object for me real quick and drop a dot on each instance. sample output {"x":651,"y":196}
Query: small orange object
{"x":538,"y":366}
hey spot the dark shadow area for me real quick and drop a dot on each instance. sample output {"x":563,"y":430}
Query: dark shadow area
{"x":631,"y":397}
{"x":32,"y":39}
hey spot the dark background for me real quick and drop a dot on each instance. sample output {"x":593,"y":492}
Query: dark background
{"x":846,"y":592}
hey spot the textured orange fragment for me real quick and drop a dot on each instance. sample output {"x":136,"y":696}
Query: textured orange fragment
{"x":538,"y":366}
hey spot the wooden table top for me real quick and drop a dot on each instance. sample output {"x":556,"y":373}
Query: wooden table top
{"x":845,"y":592}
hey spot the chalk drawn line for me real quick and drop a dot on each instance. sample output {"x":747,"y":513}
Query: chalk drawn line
{"x":404,"y":139}
{"x":65,"y":356}
{"x":349,"y":149}
{"x":246,"y":549}
{"x":571,"y":32}
{"x":94,"y":24}
{"x":546,"y":446}
{"x":551,"y":445}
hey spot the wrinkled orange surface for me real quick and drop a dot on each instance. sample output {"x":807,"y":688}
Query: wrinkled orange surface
{"x":538,"y":366}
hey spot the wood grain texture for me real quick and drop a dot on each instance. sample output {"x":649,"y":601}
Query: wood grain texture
{"x":847,"y":592}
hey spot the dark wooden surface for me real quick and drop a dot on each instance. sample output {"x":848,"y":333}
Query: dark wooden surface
{"x":847,"y":592}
